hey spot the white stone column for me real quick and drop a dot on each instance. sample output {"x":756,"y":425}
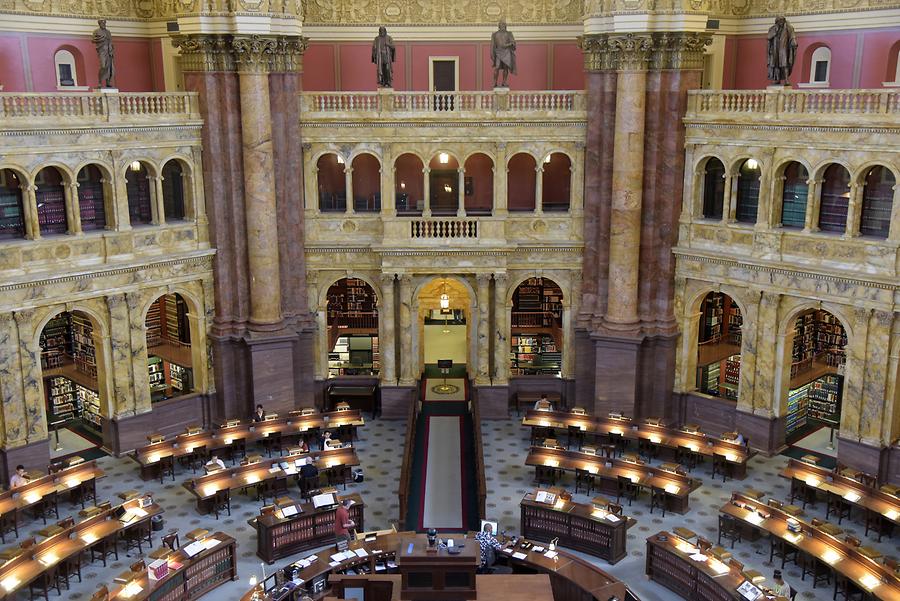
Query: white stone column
{"x":461,"y":207}
{"x":388,"y":193}
{"x":894,"y":232}
{"x":501,"y":335}
{"x":322,"y":343}
{"x":348,"y":184}
{"x":765,"y":200}
{"x":29,"y":210}
{"x":729,"y":203}
{"x":500,"y":201}
{"x":777,"y":205}
{"x":539,"y":190}
{"x":159,"y":207}
{"x":813,"y":203}
{"x":426,"y":210}
{"x":387,"y":331}
{"x":482,"y":342}
{"x":854,"y":210}
{"x":73,"y":208}
{"x":408,"y":361}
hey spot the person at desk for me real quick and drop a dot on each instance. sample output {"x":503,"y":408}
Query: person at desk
{"x":781,"y":587}
{"x":18,"y":478}
{"x":486,"y":540}
{"x":303,"y":446}
{"x":326,"y":437}
{"x":214,"y":464}
{"x":543,"y":403}
{"x":308,"y":469}
{"x":739,"y":438}
{"x":343,"y":525}
{"x":260,"y":415}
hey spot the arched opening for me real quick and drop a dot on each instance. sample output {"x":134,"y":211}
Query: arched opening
{"x":818,"y":354}
{"x":173,"y":190}
{"x":479,"y":184}
{"x":352,"y":329}
{"x":713,"y":189}
{"x":536,"y":330}
{"x":12,"y":213}
{"x":332,"y":183}
{"x":719,"y":346}
{"x":169,"y":365}
{"x":366,"y":183}
{"x":66,"y":70}
{"x":820,"y":66}
{"x":835,"y":199}
{"x":444,"y":312}
{"x":893,"y":64}
{"x":137,"y":187}
{"x":878,"y":200}
{"x":91,"y":198}
{"x":409,"y":184}
{"x":748,"y":192}
{"x":556,"y":187}
{"x":794,"y":196}
{"x":521,"y":178}
{"x":50,"y":196}
{"x":69,"y":370}
{"x":443,"y":184}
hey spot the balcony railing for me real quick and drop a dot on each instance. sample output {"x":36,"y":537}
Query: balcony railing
{"x":558,"y":103}
{"x":443,"y":228}
{"x":793,"y":104}
{"x":99,"y":107}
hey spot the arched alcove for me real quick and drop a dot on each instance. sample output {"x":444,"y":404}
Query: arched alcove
{"x":877,"y":202}
{"x":713,"y":189}
{"x":443,"y":184}
{"x":331,"y":182}
{"x":556,"y":187}
{"x":366,"y":183}
{"x":747,"y":205}
{"x":50,"y":197}
{"x":479,"y":184}
{"x":140,"y":196}
{"x":536,"y":328}
{"x":169,"y":355}
{"x":794,"y":195}
{"x":520,"y":182}
{"x":92,"y":198}
{"x":835,"y":199}
{"x":12,"y":211}
{"x":352,"y":321}
{"x":409,"y":184}
{"x":719,"y":346}
{"x":173,"y":190}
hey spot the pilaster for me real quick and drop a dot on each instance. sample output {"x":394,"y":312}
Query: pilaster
{"x":387,"y":334}
{"x":408,"y":362}
{"x":501,"y":324}
{"x":483,"y":300}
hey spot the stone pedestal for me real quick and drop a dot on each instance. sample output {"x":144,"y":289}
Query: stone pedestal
{"x":272,"y":369}
{"x":396,"y":401}
{"x":493,"y":401}
{"x":616,"y":386}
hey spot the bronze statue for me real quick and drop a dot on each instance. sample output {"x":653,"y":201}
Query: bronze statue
{"x":383,"y":53}
{"x":782,"y":51}
{"x":503,"y":53}
{"x":102,"y":39}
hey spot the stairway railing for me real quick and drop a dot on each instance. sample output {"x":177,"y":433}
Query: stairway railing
{"x":479,"y":457}
{"x":409,"y":444}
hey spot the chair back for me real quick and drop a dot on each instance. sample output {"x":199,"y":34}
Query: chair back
{"x":852,"y":541}
{"x":66,"y":523}
{"x":171,"y":540}
{"x":614,"y":509}
{"x":101,"y":594}
{"x":138,"y":566}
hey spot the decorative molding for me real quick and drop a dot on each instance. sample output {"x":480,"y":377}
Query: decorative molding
{"x":639,"y":51}
{"x":730,"y":8}
{"x":444,"y":124}
{"x":441,"y":12}
{"x":211,"y":53}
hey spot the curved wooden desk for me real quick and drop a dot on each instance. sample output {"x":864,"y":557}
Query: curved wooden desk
{"x":572,"y":578}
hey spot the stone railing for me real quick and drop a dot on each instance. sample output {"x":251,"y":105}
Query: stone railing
{"x":443,"y":228}
{"x":97,"y":107}
{"x":794,"y":105}
{"x":560,"y":104}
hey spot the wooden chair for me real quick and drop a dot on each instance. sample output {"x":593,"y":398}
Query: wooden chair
{"x":136,"y":535}
{"x":584,"y":479}
{"x":48,"y":506}
{"x":273,"y":443}
{"x":647,"y":449}
{"x":236,"y":450}
{"x":84,"y":492}
{"x":307,"y":485}
{"x":729,"y":529}
{"x":101,"y":594}
{"x":800,"y":490}
{"x":722,"y":467}
{"x":615,"y":509}
{"x":166,"y":467}
{"x":339,"y":475}
{"x":103,"y":548}
{"x":9,"y":522}
{"x":607,"y":450}
{"x":688,"y":457}
{"x":778,"y":547}
{"x":845,"y":589}
{"x":626,"y":488}
{"x":575,"y":436}
{"x":877,"y":522}
{"x":539,"y":434}
{"x":222,"y":502}
{"x":70,"y":567}
{"x":545,"y":475}
{"x":868,"y":480}
{"x":819,"y":571}
{"x":839,"y":506}
{"x":171,"y":540}
{"x":658,"y":499}
{"x":41,"y":585}
{"x":618,"y":441}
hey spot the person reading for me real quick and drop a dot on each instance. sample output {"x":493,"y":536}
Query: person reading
{"x":214,"y":464}
{"x":308,"y":469}
{"x":18,"y":478}
{"x":781,"y":587}
{"x":487,"y":540}
{"x":543,"y":403}
{"x":343,"y":525}
{"x":260,"y":414}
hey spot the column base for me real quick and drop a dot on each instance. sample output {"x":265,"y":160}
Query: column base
{"x":272,"y":358}
{"x":617,"y":368}
{"x":35,"y":456}
{"x":396,"y":401}
{"x":493,"y":401}
{"x":716,"y":415}
{"x":883,"y":462}
{"x":169,"y":417}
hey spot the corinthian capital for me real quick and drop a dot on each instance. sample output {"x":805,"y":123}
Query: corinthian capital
{"x":631,"y":51}
{"x":638,"y":51}
{"x":204,"y":53}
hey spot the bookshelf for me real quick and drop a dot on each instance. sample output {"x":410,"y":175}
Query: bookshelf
{"x":56,"y":342}
{"x":537,"y":303}
{"x":798,"y":400}
{"x":51,"y":204}
{"x":83,"y":345}
{"x":91,"y":205}
{"x":156,"y":375}
{"x":833,"y":212}
{"x":62,"y":399}
{"x":89,"y":403}
{"x":352,"y":304}
{"x":308,"y":529}
{"x":818,"y":335}
{"x":709,"y":378}
{"x":575,"y":527}
{"x":732,"y":377}
{"x":153,"y":324}
{"x":534,"y":355}
{"x":355,"y":355}
{"x":12,"y":220}
{"x":824,"y":399}
{"x":137,"y":187}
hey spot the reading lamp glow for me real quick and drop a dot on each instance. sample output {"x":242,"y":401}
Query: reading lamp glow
{"x":444,"y":158}
{"x":135,"y":166}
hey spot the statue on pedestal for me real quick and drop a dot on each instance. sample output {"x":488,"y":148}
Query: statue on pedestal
{"x":383,"y":54}
{"x":503,"y":53}
{"x":782,"y":50}
{"x":102,"y":39}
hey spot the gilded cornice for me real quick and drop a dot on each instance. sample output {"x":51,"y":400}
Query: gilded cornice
{"x":732,"y":8}
{"x":441,"y":12}
{"x":638,"y":51}
{"x":247,"y":54}
{"x":149,"y":10}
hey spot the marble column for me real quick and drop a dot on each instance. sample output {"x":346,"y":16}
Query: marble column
{"x":159,"y":206}
{"x":408,"y":362}
{"x":387,"y":330}
{"x":12,"y":404}
{"x":426,"y":210}
{"x":854,"y":210}
{"x":140,"y":401}
{"x":539,"y":190}
{"x":322,"y":345}
{"x":729,"y":206}
{"x":259,"y":192}
{"x":29,"y":210}
{"x":461,"y":192}
{"x":483,"y":300}
{"x":120,"y":362}
{"x":197,"y":325}
{"x":875,"y":416}
{"x":500,"y":203}
{"x":813,"y":203}
{"x":348,"y":184}
{"x":73,"y":209}
{"x":501,"y":333}
{"x":627,"y":188}
{"x":388,"y":194}
{"x":32,"y":385}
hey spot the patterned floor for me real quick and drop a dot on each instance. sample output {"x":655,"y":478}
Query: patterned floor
{"x":505,"y":444}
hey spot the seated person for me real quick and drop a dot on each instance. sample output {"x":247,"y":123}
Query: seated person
{"x":308,"y":469}
{"x":260,"y":414}
{"x":739,"y":438}
{"x":781,"y":587}
{"x":214,"y":464}
{"x":543,"y":403}
{"x":303,"y":446}
{"x":325,"y":438}
{"x":18,"y":478}
{"x":486,"y":539}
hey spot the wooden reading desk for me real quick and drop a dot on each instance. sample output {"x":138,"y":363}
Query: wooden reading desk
{"x":676,"y":486}
{"x":358,"y":397}
{"x":30,"y":494}
{"x":871,"y":577}
{"x":33,"y":562}
{"x":528,"y":399}
{"x":587,"y":528}
{"x":673,"y":439}
{"x":222,"y":437}
{"x":253,"y":474}
{"x":881,"y":501}
{"x":188,"y":577}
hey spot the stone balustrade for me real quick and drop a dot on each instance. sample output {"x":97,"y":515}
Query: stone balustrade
{"x":443,"y":228}
{"x":443,"y":105}
{"x":832,"y":106}
{"x":99,"y":107}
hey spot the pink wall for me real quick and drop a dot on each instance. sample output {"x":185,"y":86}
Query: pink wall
{"x":138,"y":62}
{"x":745,"y":58}
{"x":353,"y":62}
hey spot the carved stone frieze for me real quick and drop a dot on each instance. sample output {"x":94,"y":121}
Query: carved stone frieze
{"x":637,"y":51}
{"x":442,"y":12}
{"x":248,"y":54}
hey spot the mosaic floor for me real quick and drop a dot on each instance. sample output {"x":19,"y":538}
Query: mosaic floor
{"x":505,"y":444}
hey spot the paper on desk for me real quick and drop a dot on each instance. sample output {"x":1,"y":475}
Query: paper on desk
{"x":194,"y":548}
{"x":518,"y":555}
{"x":612,"y":518}
{"x":338,"y":557}
{"x":538,"y":549}
{"x":334,"y":564}
{"x":699,"y":557}
{"x":506,"y":550}
{"x":361,"y":552}
{"x":550,"y":554}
